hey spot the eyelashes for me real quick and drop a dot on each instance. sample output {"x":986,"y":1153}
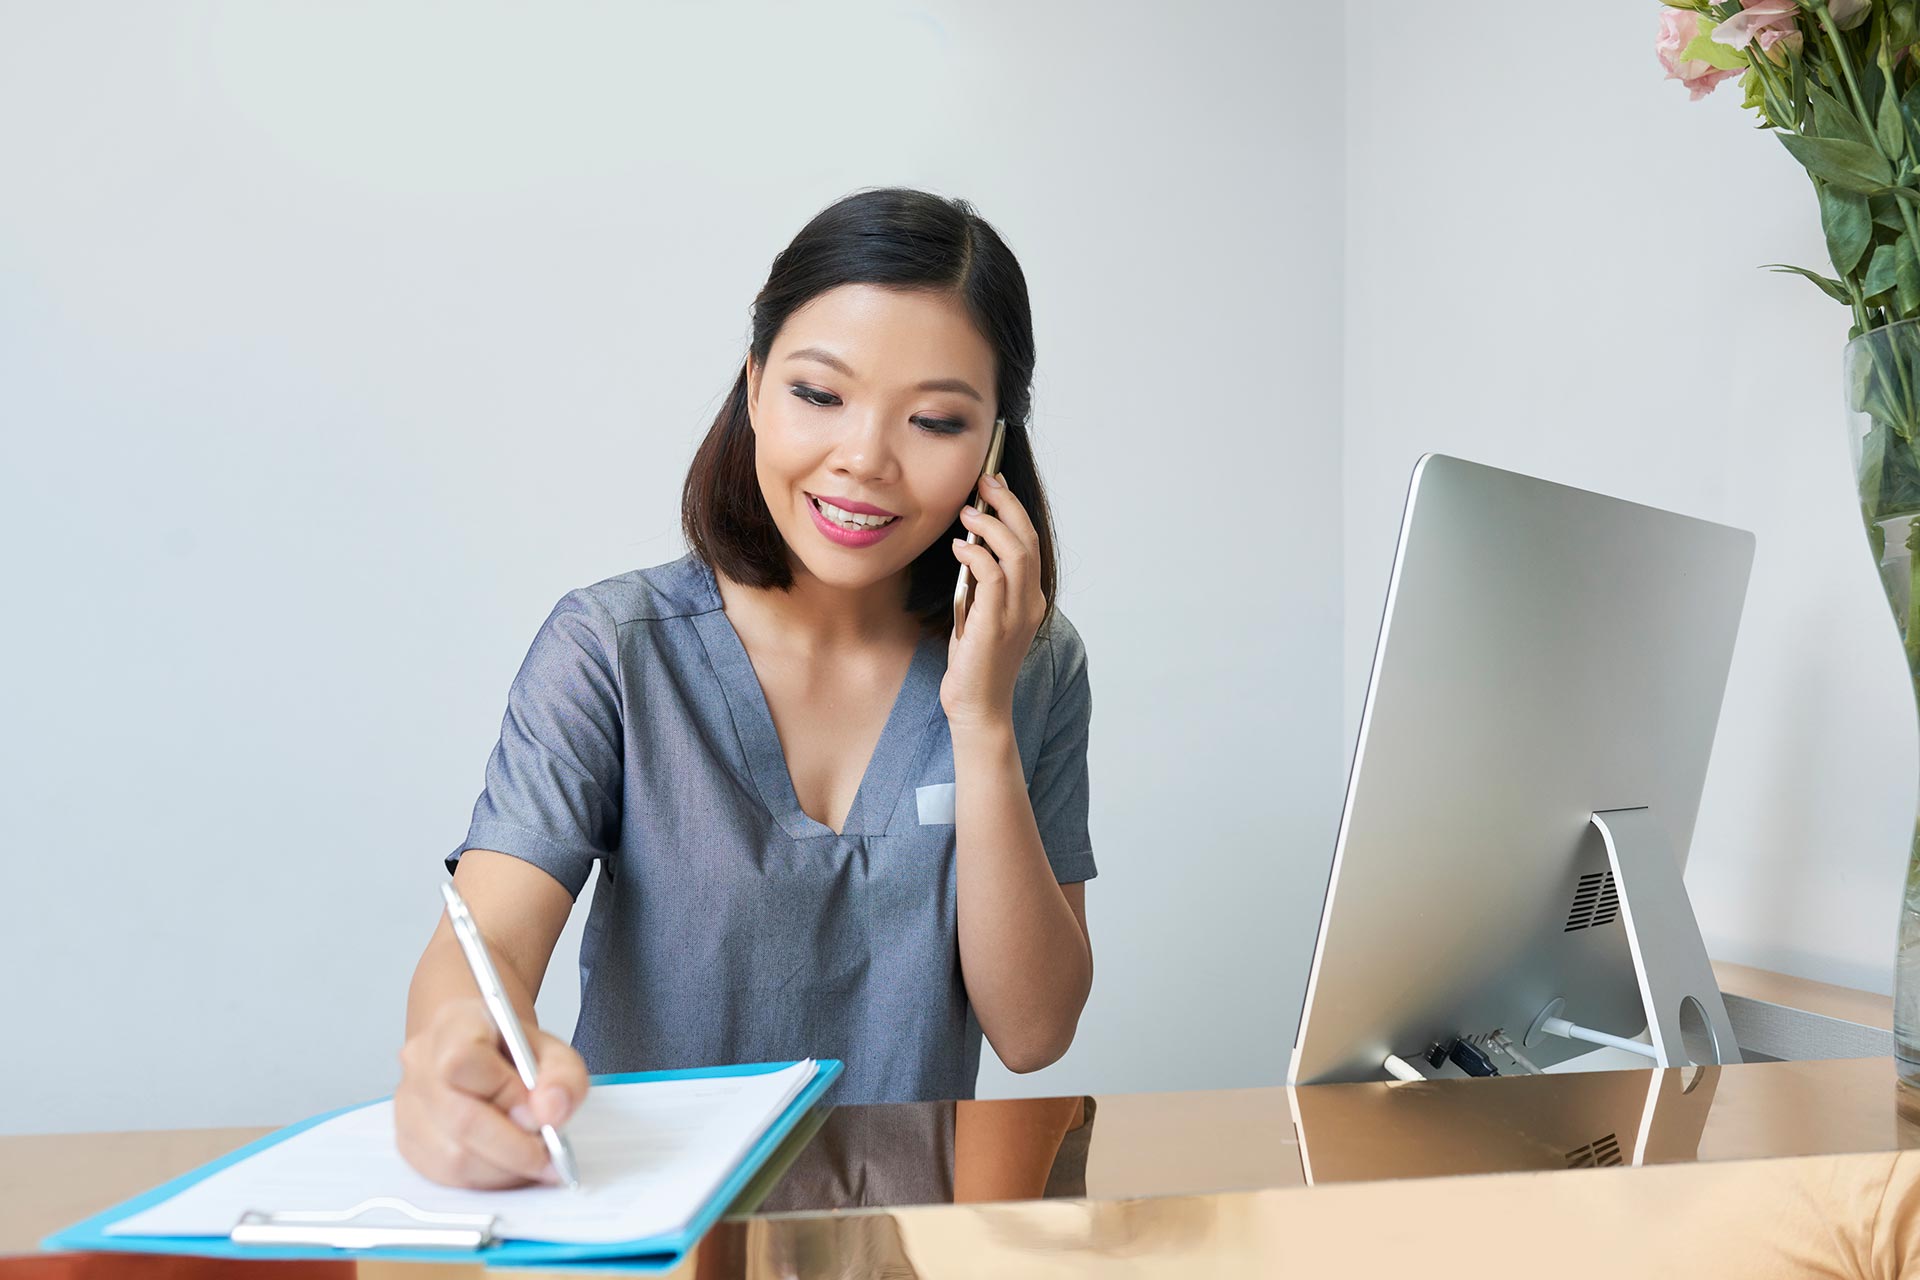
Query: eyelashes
{"x":935,"y":426}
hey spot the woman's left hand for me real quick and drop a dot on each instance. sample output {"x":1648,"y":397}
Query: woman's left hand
{"x":984,"y":661}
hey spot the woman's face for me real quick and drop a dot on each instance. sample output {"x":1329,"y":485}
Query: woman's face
{"x":877,"y":403}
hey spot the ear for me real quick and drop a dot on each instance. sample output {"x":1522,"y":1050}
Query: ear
{"x":753,"y":392}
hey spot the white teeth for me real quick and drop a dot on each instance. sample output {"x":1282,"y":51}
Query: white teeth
{"x":850,"y":519}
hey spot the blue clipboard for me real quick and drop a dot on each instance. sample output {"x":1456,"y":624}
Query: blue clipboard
{"x":651,"y":1254}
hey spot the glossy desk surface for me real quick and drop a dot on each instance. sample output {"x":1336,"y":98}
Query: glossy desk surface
{"x":1783,"y":1168}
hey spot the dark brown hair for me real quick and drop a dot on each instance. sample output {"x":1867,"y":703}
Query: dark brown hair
{"x":898,"y":238}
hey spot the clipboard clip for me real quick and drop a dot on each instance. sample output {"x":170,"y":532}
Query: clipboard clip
{"x":355,"y":1228}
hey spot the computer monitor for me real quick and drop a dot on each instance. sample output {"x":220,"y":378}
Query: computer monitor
{"x":1547,"y":656}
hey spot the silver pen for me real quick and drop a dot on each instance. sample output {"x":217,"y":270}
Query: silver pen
{"x":505,"y":1018}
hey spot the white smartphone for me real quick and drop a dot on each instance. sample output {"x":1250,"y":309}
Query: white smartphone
{"x":963,"y":590}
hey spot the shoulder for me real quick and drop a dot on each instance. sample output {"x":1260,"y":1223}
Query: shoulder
{"x":682,"y":588}
{"x":1054,"y":673}
{"x":1065,"y":651}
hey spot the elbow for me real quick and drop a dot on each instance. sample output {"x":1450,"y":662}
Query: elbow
{"x":1033,"y":1060}
{"x":1022,"y":1059}
{"x":1045,"y":1046}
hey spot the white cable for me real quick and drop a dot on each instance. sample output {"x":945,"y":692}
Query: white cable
{"x":1505,"y":1044}
{"x":1400,"y":1069}
{"x":1561,"y":1027}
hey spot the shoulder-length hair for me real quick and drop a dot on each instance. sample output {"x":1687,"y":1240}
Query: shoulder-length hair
{"x":899,"y":238}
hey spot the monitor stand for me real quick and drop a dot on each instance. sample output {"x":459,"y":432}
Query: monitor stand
{"x":1686,"y":1018}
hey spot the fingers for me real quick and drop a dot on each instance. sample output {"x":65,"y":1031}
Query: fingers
{"x":467,"y":1056}
{"x":1017,"y":555}
{"x":484,"y":1144}
{"x":560,"y":1079}
{"x":461,"y":1113}
{"x":990,"y":585}
{"x":1010,"y":510}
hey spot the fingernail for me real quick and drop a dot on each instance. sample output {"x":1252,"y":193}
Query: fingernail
{"x":552,"y":1101}
{"x":959,"y":542}
{"x":522,"y":1115}
{"x":996,"y":481}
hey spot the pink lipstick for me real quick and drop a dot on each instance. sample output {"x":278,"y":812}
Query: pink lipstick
{"x":843,"y":536}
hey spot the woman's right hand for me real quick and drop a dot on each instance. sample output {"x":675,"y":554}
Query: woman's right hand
{"x":462,"y":1117}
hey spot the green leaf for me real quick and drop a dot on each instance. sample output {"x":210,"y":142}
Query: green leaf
{"x":1848,"y":222}
{"x":1799,"y":89}
{"x":1893,"y":130}
{"x":1906,"y":276}
{"x":1886,"y":213}
{"x":1879,"y":276}
{"x":1873,"y":453}
{"x":1851,"y":166}
{"x":1832,"y":288}
{"x":1899,"y":489}
{"x":1833,"y":119}
{"x":1710,"y":51}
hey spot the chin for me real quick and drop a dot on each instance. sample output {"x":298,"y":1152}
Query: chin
{"x":847,"y":569}
{"x":850,"y":572}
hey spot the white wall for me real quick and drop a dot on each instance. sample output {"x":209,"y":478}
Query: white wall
{"x":1551,"y":267}
{"x":334,"y":348}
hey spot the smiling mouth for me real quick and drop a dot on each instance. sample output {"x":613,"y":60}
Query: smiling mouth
{"x":851,"y":521}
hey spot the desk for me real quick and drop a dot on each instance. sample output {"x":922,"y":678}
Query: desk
{"x":1762,"y":1169}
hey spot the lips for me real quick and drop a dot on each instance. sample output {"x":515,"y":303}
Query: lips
{"x":849,"y":504}
{"x":844,"y":537}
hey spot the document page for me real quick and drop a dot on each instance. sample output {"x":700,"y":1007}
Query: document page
{"x":650,"y":1154}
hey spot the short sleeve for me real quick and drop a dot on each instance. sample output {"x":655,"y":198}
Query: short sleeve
{"x":553,"y":783}
{"x":1058,"y":789}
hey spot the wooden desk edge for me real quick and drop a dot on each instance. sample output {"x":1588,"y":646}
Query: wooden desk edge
{"x":62,"y":1178}
{"x":1844,"y":1003}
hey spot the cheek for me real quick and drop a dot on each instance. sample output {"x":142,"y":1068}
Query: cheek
{"x":779,"y":452}
{"x":951,"y":486}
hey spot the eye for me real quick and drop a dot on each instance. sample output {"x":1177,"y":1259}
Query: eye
{"x":826,"y":399}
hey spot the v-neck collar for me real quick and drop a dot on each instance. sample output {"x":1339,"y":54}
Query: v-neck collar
{"x":893,"y":755}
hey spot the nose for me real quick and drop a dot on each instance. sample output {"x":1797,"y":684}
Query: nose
{"x":864,"y":451}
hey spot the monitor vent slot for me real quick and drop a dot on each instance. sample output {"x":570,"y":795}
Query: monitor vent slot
{"x":1603,"y":1154}
{"x":1596,"y":901}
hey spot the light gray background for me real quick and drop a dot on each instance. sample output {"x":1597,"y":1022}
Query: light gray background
{"x":334,"y":349}
{"x":335,"y":345}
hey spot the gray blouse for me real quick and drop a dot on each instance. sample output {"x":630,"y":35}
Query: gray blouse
{"x":727,"y":925}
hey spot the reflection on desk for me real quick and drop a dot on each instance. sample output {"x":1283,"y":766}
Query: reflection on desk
{"x":1174,"y":1183}
{"x":921,"y":1153}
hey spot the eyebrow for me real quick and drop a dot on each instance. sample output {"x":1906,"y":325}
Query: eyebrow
{"x":932,"y":384}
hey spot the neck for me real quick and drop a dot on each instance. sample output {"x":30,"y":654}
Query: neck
{"x":815,"y":617}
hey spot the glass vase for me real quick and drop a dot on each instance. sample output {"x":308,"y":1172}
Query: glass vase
{"x":1882,"y":370}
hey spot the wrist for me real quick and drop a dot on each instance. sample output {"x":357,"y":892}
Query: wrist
{"x":974,"y":734}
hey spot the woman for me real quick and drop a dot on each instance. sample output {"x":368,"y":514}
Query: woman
{"x":825,"y":827}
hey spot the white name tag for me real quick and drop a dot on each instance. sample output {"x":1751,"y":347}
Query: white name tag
{"x":936,"y":803}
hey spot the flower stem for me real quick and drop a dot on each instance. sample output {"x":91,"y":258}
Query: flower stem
{"x":1839,"y":46}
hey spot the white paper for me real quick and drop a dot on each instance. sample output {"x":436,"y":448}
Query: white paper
{"x":650,"y":1154}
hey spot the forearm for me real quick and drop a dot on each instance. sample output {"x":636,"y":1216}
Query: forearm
{"x":1023,"y":957}
{"x":443,"y":975}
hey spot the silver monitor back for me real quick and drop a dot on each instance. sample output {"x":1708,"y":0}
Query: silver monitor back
{"x":1545,"y":653}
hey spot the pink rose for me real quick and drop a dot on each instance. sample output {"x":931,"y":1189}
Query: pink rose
{"x":1678,"y":27}
{"x":1768,"y":21}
